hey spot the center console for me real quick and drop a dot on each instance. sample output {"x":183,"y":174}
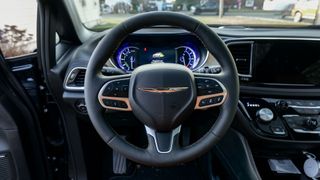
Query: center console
{"x":280,"y":101}
{"x":280,"y":66}
{"x":283,"y":118}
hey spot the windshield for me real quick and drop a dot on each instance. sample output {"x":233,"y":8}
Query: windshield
{"x":103,"y":14}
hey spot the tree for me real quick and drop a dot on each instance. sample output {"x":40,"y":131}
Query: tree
{"x":14,"y":41}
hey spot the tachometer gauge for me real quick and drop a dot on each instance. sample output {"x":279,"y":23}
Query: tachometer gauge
{"x":126,"y":58}
{"x":187,"y":57}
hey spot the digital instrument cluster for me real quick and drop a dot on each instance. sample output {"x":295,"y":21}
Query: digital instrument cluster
{"x":131,"y":54}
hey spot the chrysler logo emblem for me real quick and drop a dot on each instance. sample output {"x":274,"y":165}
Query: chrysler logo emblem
{"x":164,"y":89}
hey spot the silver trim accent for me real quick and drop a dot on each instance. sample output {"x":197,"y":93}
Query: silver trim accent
{"x":203,"y":62}
{"x":111,"y":62}
{"x":152,"y":133}
{"x":271,"y":38}
{"x":244,"y":109}
{"x":3,"y":156}
{"x":22,"y":68}
{"x":290,"y":115}
{"x":305,"y":131}
{"x":69,"y":74}
{"x":279,"y":133}
{"x":304,"y":107}
{"x":251,"y":54}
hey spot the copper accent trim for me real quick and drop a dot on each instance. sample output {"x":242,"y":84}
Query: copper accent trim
{"x":224,"y":93}
{"x":126,"y":100}
{"x":164,"y":89}
{"x":200,"y":98}
{"x":101,"y":97}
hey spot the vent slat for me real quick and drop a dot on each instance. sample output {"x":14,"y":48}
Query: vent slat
{"x":78,"y":81}
{"x":241,"y":53}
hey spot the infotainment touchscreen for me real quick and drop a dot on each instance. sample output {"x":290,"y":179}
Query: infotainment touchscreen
{"x":287,"y":62}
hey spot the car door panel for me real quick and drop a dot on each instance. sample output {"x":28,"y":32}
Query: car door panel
{"x":22,"y":154}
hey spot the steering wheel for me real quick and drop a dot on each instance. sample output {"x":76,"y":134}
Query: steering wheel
{"x":161,"y":95}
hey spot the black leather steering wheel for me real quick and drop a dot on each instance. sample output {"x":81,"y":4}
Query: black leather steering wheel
{"x":161,"y":95}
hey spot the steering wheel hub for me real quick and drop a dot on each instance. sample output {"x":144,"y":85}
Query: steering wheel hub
{"x":162,"y":95}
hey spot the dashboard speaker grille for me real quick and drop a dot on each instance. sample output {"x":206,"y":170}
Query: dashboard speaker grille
{"x":242,"y":54}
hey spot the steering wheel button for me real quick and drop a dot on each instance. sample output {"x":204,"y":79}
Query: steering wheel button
{"x":122,"y":104}
{"x":117,"y":89}
{"x":107,"y":102}
{"x":200,"y":86}
{"x":203,"y":102}
{"x":115,"y":94}
{"x":108,"y":91}
{"x":115,"y":103}
{"x":211,"y":101}
{"x":109,"y":88}
{"x":218,"y":99}
{"x":125,"y":88}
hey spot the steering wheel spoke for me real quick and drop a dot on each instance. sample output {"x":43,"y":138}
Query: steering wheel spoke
{"x":210,"y":91}
{"x":114,"y":93}
{"x":162,"y":142}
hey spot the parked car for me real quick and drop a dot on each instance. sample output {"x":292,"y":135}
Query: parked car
{"x":150,"y":7}
{"x":304,"y":9}
{"x":278,"y":5}
{"x":210,"y":6}
{"x":167,"y":6}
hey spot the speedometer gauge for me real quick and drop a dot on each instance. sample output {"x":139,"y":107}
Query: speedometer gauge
{"x":187,"y":57}
{"x":126,"y":58}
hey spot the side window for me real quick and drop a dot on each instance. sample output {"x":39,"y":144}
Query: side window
{"x":18,"y":20}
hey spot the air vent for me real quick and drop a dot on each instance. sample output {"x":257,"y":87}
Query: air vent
{"x":75,"y":79}
{"x":242,"y":54}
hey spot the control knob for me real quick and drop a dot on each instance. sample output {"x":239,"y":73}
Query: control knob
{"x":311,"y":123}
{"x":265,"y":115}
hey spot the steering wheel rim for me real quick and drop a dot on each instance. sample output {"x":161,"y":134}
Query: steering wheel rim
{"x":94,"y":80}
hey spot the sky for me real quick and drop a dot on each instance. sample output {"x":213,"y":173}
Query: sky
{"x":19,"y":12}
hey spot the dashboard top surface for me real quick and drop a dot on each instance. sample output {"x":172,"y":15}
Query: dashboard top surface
{"x":82,"y":53}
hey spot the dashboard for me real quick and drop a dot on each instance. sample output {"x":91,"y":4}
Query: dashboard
{"x":136,"y":50}
{"x":279,"y":74}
